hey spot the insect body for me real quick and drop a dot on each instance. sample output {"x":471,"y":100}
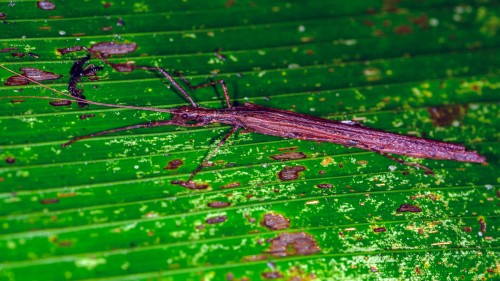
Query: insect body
{"x":286,"y":124}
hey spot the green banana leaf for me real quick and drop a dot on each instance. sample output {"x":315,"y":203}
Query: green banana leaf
{"x":109,"y":208}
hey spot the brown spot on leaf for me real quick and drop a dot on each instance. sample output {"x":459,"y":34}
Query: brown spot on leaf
{"x":190,"y":184}
{"x":291,"y":244}
{"x":123,"y":67}
{"x":324,"y":185}
{"x":215,"y":220}
{"x":272,"y":275}
{"x":5,"y":50}
{"x":107,"y":28}
{"x":49,"y":201}
{"x":3,"y":16}
{"x":31,"y":73}
{"x":290,"y":173}
{"x":218,"y":204}
{"x":46,"y":5}
{"x":231,"y":185}
{"x":422,"y":21}
{"x":174,"y":164}
{"x":482,"y":225}
{"x":86,"y":116}
{"x":10,"y":160}
{"x":255,"y":258}
{"x":64,"y":51}
{"x":288,"y":148}
{"x":289,"y":156}
{"x":403,"y":29}
{"x":18,"y":54}
{"x":467,"y":229}
{"x":408,"y":208}
{"x":446,"y":115}
{"x":380,"y":229}
{"x":275,"y":222}
{"x":113,"y":48}
{"x":60,"y":102}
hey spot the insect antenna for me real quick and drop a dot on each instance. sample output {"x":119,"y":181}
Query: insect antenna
{"x":69,"y":97}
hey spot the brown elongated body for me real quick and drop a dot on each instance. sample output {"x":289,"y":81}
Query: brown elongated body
{"x":287,"y":124}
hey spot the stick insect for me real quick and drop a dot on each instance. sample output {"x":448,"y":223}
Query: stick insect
{"x":281,"y":123}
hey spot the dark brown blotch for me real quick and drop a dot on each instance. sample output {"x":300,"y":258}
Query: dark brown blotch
{"x":291,"y":244}
{"x":380,"y":229}
{"x":289,"y":156}
{"x":231,"y":185}
{"x":446,"y":115}
{"x":408,"y":208}
{"x":5,"y":50}
{"x":324,"y":185}
{"x":482,"y":225}
{"x":113,"y":48}
{"x":31,"y":73}
{"x":215,"y":220}
{"x":10,"y":160}
{"x":290,"y":173}
{"x":64,"y":51}
{"x":174,"y":164}
{"x":275,"y":222}
{"x":49,"y":201}
{"x":218,"y":204}
{"x":60,"y":102}
{"x":86,"y":116}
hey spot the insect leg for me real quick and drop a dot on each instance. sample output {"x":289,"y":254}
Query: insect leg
{"x":222,"y":141}
{"x":204,"y":85}
{"x":161,"y":70}
{"x":401,"y":161}
{"x":144,"y":125}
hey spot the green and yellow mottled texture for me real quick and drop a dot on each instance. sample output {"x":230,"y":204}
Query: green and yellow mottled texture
{"x":104,"y":208}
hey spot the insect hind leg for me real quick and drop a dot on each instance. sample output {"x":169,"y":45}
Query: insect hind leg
{"x":208,"y":84}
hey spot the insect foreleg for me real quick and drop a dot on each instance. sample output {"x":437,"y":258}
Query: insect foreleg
{"x":219,"y":145}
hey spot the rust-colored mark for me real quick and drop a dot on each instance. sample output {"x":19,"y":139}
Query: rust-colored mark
{"x":174,"y":164}
{"x":422,"y":21}
{"x":447,"y":115}
{"x":106,"y":5}
{"x":113,"y":48}
{"x":289,"y":156}
{"x":275,"y":222}
{"x":467,"y":229}
{"x":380,"y":229}
{"x":214,"y":220}
{"x":231,"y":185}
{"x":482,"y":225}
{"x":46,"y":5}
{"x":403,"y":29}
{"x":324,"y":185}
{"x":65,"y":243}
{"x":17,"y":54}
{"x":16,"y":101}
{"x":255,"y":258}
{"x":408,"y":208}
{"x":31,"y":73}
{"x":86,"y":116}
{"x":60,"y":102}
{"x":229,"y":3}
{"x":3,"y":16}
{"x":418,"y":270}
{"x":290,"y":173}
{"x":271,"y":275}
{"x":291,"y":244}
{"x":49,"y":201}
{"x":5,"y":50}
{"x":218,"y":204}
{"x":190,"y":184}
{"x":64,"y":51}
{"x":10,"y":160}
{"x":123,"y":67}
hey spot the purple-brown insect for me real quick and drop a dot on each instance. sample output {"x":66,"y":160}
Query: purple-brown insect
{"x":286,"y":124}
